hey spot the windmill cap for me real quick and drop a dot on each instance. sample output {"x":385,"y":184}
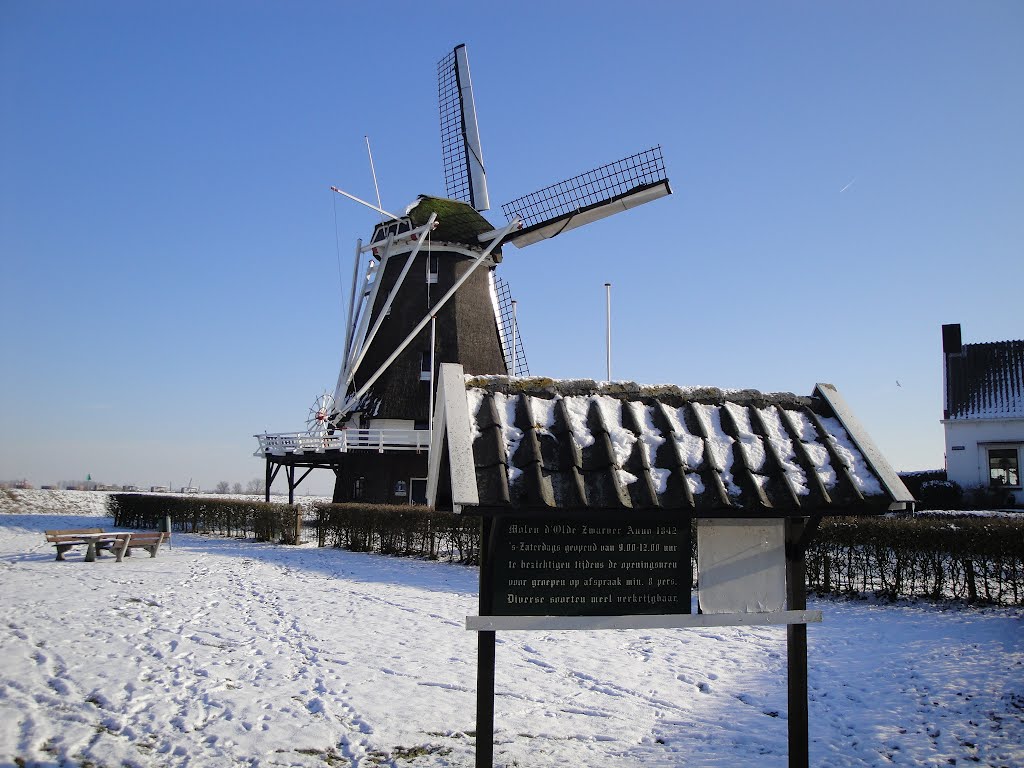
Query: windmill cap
{"x":457,"y":222}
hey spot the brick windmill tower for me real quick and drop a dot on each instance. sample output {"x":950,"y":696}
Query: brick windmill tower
{"x":425,"y":292}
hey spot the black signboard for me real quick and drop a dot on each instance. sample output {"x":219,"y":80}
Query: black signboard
{"x":542,"y":566}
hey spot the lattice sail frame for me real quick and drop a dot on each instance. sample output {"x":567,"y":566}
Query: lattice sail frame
{"x":508,"y":328}
{"x":464,"y":176}
{"x":589,"y":189}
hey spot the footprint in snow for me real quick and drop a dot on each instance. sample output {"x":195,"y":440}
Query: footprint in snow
{"x":542,"y":664}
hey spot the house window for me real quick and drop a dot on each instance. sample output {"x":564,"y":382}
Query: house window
{"x":1003,"y":467}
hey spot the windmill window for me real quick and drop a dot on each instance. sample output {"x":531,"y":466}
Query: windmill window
{"x":1003,"y":468}
{"x":425,"y":365}
{"x":432,"y":268}
{"x":358,"y":488}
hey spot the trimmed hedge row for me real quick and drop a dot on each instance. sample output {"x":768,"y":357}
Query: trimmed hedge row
{"x":202,"y":514}
{"x":975,"y":559}
{"x":399,"y":530}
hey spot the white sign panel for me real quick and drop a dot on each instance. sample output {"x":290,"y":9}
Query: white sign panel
{"x":741,"y":565}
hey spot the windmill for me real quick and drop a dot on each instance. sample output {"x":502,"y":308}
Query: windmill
{"x":424,"y":291}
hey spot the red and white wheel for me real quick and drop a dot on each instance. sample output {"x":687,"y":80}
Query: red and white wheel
{"x":318,"y":422}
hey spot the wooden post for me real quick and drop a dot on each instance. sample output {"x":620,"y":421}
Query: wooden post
{"x":485,"y":700}
{"x":796,"y":645}
{"x":269,"y":478}
{"x":485,"y":657}
{"x":298,"y":526}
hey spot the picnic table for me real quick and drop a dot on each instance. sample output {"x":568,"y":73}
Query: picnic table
{"x":96,"y":540}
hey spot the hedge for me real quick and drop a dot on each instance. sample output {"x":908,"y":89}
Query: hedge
{"x":202,"y":514}
{"x":399,"y":530}
{"x":971,"y":558}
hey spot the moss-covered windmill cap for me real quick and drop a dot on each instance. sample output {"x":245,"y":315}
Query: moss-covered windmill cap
{"x":458,"y":222}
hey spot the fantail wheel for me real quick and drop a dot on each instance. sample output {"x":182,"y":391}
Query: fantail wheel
{"x":318,"y":424}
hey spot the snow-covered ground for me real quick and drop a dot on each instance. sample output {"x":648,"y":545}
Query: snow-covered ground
{"x":222,"y":652}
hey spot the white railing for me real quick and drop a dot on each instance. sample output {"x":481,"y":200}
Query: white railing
{"x":344,"y":440}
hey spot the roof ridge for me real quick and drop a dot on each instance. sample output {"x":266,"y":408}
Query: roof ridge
{"x":623,"y":390}
{"x":1007,"y":342}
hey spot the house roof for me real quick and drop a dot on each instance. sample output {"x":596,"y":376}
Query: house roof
{"x":582,"y":445}
{"x":985,"y":381}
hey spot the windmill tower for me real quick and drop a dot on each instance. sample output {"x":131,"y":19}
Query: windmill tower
{"x":424,"y":292}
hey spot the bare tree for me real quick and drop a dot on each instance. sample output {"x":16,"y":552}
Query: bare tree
{"x":223,"y":487}
{"x":255,"y":487}
{"x":236,"y":488}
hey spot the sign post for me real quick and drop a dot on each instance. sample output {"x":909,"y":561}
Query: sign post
{"x":485,"y":643}
{"x":544,"y":571}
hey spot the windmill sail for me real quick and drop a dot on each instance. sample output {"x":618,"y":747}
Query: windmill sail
{"x":508,"y":328}
{"x":464,"y":175}
{"x":591,"y":196}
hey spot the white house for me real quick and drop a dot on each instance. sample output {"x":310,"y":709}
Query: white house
{"x":983,"y":415}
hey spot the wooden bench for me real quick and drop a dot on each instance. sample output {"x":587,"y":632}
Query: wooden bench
{"x":149,"y":541}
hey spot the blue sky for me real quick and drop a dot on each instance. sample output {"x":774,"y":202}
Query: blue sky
{"x":847,"y":176}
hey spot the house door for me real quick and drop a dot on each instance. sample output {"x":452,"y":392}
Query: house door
{"x":418,"y":488}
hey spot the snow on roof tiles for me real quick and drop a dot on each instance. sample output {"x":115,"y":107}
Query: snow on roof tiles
{"x":986,"y":381}
{"x":582,"y":444}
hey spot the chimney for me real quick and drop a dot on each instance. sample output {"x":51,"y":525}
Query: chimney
{"x":951,"y":340}
{"x":952,"y":344}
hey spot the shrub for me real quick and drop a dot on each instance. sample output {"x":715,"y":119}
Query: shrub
{"x":986,"y":497}
{"x":940,"y":494}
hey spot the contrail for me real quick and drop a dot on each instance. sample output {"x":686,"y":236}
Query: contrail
{"x":848,"y":185}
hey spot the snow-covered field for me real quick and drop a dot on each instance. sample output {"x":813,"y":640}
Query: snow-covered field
{"x":222,"y":652}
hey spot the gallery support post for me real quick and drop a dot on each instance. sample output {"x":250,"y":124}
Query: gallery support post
{"x":268,"y":478}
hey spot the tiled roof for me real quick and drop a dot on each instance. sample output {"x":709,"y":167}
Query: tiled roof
{"x":540,"y":443}
{"x":986,"y":381}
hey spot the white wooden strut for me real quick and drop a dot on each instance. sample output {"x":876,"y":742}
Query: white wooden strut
{"x":356,"y":342}
{"x":366,"y":301}
{"x":352,"y":400}
{"x":364,"y":345}
{"x":351,"y":324}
